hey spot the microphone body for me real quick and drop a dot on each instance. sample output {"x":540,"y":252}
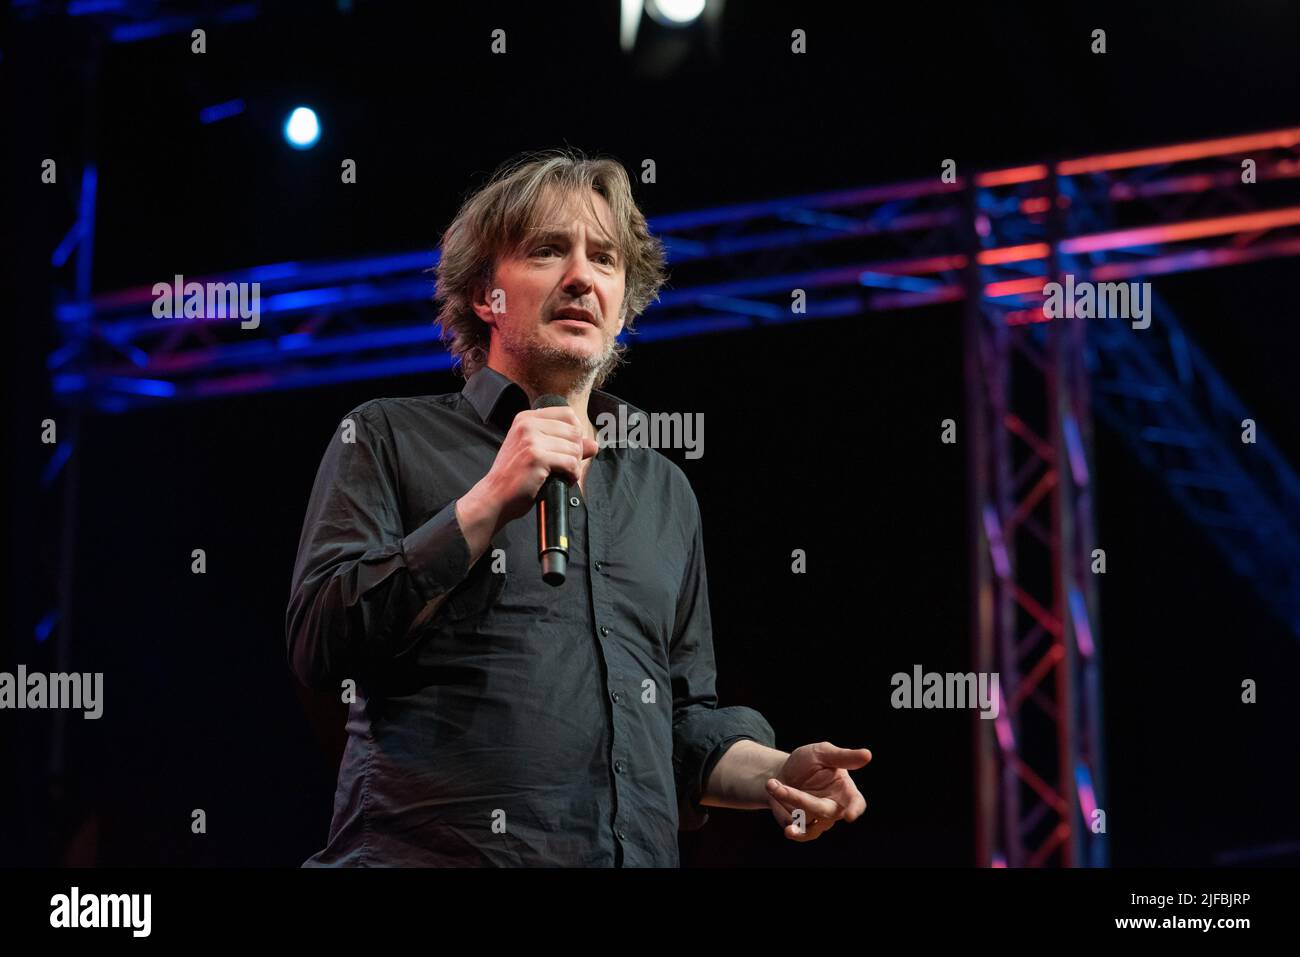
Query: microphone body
{"x":553,"y":516}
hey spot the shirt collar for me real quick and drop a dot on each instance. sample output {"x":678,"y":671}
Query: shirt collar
{"x":498,"y":399}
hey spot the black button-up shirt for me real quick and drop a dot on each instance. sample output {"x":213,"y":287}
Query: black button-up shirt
{"x":494,"y":719}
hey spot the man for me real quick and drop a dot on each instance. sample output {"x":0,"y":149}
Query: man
{"x":495,"y":719}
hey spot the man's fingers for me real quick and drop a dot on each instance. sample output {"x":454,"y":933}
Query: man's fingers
{"x":811,"y":831}
{"x":790,"y":830}
{"x":562,"y":426}
{"x":559,"y":412}
{"x":849,"y":758}
{"x":793,"y":797}
{"x":857,"y":807}
{"x":560,"y":420}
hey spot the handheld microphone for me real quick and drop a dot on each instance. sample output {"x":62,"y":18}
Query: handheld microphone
{"x":553,"y":516}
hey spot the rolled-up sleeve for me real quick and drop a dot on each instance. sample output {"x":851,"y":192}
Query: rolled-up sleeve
{"x":702,"y":732}
{"x":360,"y":582}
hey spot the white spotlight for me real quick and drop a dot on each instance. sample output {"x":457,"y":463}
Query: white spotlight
{"x":302,"y":128}
{"x":675,"y":13}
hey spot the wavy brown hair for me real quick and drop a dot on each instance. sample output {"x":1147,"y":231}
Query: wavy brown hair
{"x":499,"y":218}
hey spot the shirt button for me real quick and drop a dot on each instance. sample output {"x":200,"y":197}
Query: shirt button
{"x":621,"y":835}
{"x":604,"y":630}
{"x":574,"y":501}
{"x":618,"y":766}
{"x":599,"y":565}
{"x":614,"y":695}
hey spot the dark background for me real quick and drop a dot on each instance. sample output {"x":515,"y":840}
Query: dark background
{"x":826,"y":428}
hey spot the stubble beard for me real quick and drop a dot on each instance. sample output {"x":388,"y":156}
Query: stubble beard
{"x":536,"y":352}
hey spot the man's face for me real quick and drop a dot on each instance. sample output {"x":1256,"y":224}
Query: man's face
{"x":540,"y":291}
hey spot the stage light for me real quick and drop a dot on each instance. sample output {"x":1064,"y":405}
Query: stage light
{"x":302,"y":129}
{"x":675,"y":13}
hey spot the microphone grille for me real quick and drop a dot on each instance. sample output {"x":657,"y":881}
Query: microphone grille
{"x":549,"y":401}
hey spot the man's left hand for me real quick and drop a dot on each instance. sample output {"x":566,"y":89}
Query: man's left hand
{"x":815,"y":779}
